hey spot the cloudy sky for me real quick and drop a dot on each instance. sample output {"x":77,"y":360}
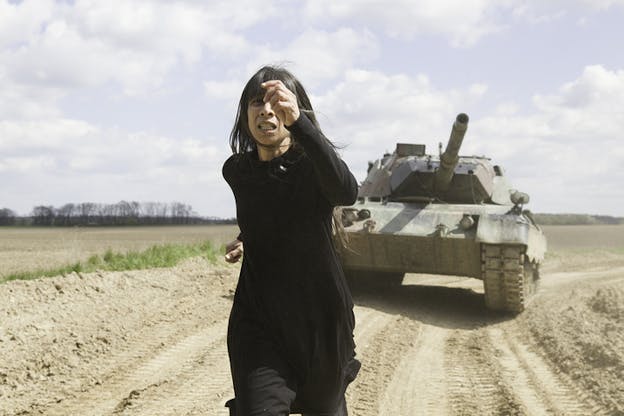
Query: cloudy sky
{"x":102,"y":101}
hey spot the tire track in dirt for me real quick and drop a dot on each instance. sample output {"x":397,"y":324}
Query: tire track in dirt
{"x":534,"y":384}
{"x":382,"y":339}
{"x":202,"y":386}
{"x":418,"y":386}
{"x":555,"y":280}
{"x":136,"y":373}
{"x":368,"y":323}
{"x":474,"y":386}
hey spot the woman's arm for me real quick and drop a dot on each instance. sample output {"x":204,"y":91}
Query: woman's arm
{"x":333,"y":176}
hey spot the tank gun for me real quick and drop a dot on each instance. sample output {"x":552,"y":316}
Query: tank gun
{"x":450,"y":157}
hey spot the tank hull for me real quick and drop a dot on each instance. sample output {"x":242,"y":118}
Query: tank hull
{"x":412,"y":254}
{"x":493,"y":243}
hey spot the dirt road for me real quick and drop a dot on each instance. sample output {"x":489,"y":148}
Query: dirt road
{"x":153,"y":343}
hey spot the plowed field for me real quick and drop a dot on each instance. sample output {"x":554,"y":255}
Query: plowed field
{"x":152,"y":342}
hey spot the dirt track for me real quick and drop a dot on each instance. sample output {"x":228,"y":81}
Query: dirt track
{"x":153,"y":343}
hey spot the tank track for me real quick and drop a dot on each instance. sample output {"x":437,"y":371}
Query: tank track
{"x":509,"y":278}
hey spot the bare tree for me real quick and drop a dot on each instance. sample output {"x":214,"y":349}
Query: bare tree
{"x":43,"y":215}
{"x":7,"y":216}
{"x":120,"y":213}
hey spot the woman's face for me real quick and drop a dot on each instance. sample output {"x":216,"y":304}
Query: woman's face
{"x":263,"y":124}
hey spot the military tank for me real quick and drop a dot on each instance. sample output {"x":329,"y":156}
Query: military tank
{"x":444,"y":214}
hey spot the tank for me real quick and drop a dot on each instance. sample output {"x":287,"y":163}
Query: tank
{"x":444,"y":214}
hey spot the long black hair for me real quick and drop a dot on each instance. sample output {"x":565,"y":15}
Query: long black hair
{"x":241,"y":140}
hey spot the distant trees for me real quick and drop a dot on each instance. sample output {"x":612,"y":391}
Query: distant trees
{"x":7,"y":216}
{"x":43,"y":215}
{"x":121,"y":213}
{"x":162,"y":213}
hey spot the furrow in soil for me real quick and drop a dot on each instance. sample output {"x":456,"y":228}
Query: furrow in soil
{"x":474,"y":381}
{"x":418,"y":386}
{"x":534,"y":383}
{"x":202,"y":386}
{"x":380,"y":351}
{"x":116,"y":393}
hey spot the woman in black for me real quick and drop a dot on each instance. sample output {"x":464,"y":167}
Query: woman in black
{"x":290,"y":335}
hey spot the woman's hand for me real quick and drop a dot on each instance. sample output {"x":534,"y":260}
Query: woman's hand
{"x":233,"y":251}
{"x":283,"y":101}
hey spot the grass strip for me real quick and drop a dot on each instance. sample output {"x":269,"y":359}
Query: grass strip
{"x":167,"y":255}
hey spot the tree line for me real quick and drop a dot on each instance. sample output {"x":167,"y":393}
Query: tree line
{"x":121,"y":213}
{"x":161,"y":213}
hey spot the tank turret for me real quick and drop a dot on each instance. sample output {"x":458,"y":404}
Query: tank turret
{"x":450,"y":157}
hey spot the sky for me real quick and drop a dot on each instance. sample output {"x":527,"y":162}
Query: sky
{"x":104,"y":101}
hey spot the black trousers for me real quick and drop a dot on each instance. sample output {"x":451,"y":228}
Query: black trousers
{"x":265,"y":384}
{"x":269,"y":391}
{"x":341,"y":411}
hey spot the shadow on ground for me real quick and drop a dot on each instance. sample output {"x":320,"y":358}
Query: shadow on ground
{"x":448,"y":307}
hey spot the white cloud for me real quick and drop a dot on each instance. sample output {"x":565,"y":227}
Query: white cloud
{"x":27,"y":102}
{"x":571,"y":143}
{"x":540,"y":12}
{"x":317,"y":55}
{"x":564,"y":5}
{"x":462,"y":22}
{"x":601,"y":4}
{"x":223,"y":90}
{"x":73,"y":143}
{"x":597,"y":90}
{"x":314,"y":56}
{"x":61,"y":57}
{"x":21,"y":22}
{"x":135,"y":44}
{"x":33,"y":137}
{"x":25,"y":164}
{"x":179,"y":29}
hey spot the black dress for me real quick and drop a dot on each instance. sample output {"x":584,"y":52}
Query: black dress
{"x":290,"y":334}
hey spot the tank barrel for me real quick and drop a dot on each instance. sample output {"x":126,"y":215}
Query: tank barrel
{"x":450,"y":157}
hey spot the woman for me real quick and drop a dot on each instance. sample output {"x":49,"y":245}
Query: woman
{"x":290,"y":335}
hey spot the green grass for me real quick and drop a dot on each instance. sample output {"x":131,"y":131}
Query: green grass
{"x":167,"y":255}
{"x":617,"y":250}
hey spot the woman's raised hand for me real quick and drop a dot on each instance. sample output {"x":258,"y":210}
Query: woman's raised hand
{"x":283,"y":101}
{"x":233,"y":251}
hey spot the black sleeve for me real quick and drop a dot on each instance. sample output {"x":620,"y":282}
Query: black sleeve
{"x":227,"y":169}
{"x":335,"y":180}
{"x":228,"y":173}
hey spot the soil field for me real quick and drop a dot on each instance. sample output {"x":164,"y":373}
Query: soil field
{"x":152,"y":342}
{"x":30,"y":249}
{"x":584,"y":236}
